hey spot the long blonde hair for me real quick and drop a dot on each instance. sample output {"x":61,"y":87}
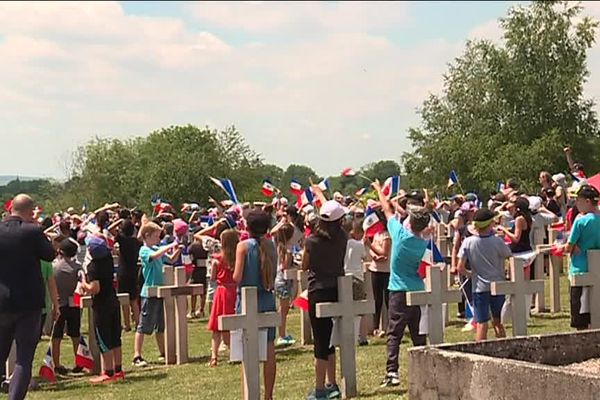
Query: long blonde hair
{"x":229,"y":241}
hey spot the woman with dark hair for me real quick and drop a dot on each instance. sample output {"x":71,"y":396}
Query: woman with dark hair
{"x":255,"y":266}
{"x":324,"y":256}
{"x":519,"y":234}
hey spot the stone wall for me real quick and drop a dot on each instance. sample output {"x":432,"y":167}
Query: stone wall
{"x":478,"y":371}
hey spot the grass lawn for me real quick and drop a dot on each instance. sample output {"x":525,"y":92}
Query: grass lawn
{"x":294,"y":367}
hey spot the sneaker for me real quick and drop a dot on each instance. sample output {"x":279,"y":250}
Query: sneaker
{"x":119,"y":376}
{"x":61,"y":370}
{"x":101,"y":379}
{"x":189,"y":316}
{"x":317,"y":395}
{"x":381,"y":334}
{"x":333,"y":391}
{"x":139,"y":362}
{"x":290,"y":340}
{"x":223,"y":347}
{"x":77,"y":370}
{"x":469,"y":326}
{"x":363,"y":342}
{"x":391,"y":379}
{"x":161,"y":358}
{"x":200,"y":314}
{"x":4,"y":386}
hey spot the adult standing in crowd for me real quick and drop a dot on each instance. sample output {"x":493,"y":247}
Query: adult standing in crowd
{"x":22,"y":294}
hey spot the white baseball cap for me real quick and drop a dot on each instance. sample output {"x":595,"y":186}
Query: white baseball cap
{"x":331,"y":211}
{"x":535,"y":202}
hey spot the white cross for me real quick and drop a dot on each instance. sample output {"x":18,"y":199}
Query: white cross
{"x":180,"y":290}
{"x":538,"y":268}
{"x":345,"y":309}
{"x":250,"y":321}
{"x":86,"y":302}
{"x":169,"y":315}
{"x":435,"y":295}
{"x":301,"y":277}
{"x":592,"y":280}
{"x":518,"y":288}
{"x":555,"y":267}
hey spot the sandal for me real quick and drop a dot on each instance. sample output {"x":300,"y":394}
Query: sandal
{"x":212,"y":363}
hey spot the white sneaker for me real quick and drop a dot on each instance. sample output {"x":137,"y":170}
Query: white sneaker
{"x":469,"y":326}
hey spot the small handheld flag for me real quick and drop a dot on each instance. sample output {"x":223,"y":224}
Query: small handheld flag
{"x":47,"y":368}
{"x":296,"y":187}
{"x":372,"y":225}
{"x":307,"y":197}
{"x":155,"y":200}
{"x":431,"y":256}
{"x":362,"y":191}
{"x":83,"y":358}
{"x":391,"y":186}
{"x":302,"y":301}
{"x":267,"y":188}
{"x":348,"y":172}
{"x":453,"y":179}
{"x":324,"y":184}
{"x":227,"y":187}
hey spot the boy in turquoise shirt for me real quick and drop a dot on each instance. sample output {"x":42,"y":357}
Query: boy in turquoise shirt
{"x":152,"y":313}
{"x":408,"y":248}
{"x":585,"y":235}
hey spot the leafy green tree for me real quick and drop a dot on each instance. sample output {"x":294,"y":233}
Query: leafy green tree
{"x":508,"y":111}
{"x":301,"y":173}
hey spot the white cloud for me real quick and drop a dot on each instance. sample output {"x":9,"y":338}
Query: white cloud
{"x":100,"y":71}
{"x":490,"y":30}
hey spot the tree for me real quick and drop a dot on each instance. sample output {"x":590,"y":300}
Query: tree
{"x":509,"y":110}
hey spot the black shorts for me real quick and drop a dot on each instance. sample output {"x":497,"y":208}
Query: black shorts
{"x":199,"y":276}
{"x":129,"y":284}
{"x":321,"y":327}
{"x":578,"y":320}
{"x":69,"y":317}
{"x":108,"y":327}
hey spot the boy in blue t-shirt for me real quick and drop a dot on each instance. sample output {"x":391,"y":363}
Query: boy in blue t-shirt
{"x":152,"y":313}
{"x":585,"y":235}
{"x":408,"y":247}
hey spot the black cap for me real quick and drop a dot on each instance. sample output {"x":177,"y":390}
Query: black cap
{"x":68,"y":247}
{"x":588,"y":192}
{"x":484,"y":214}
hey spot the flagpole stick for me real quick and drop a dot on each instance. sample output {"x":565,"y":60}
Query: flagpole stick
{"x":460,"y":187}
{"x":364,"y":177}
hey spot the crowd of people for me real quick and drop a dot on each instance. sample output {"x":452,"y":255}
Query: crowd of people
{"x":49,"y":261}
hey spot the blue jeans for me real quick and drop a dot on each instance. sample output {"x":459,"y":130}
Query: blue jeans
{"x":24,"y":328}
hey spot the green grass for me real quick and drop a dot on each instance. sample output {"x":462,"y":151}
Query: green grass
{"x":294,"y":367}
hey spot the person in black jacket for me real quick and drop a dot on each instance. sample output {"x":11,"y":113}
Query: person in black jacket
{"x":22,"y":294}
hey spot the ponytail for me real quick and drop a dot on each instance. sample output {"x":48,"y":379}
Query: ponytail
{"x":266,"y":266}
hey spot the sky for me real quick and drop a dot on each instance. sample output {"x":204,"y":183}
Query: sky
{"x":326,"y":84}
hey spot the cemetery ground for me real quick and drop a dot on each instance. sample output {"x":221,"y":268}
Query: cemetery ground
{"x":294,"y":365}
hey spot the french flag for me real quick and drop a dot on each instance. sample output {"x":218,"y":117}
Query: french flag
{"x":227,"y":187}
{"x":296,"y":187}
{"x":302,"y":301}
{"x":558,"y":247}
{"x":83,"y":358}
{"x":578,"y":175}
{"x":372,"y":225}
{"x":559,"y":226}
{"x":361,"y":192}
{"x":431,"y":256}
{"x":154,"y":201}
{"x":307,"y":197}
{"x":324,"y":184}
{"x":391,"y":186}
{"x":267,"y":188}
{"x":47,"y":368}
{"x":453,"y":179}
{"x":206,"y":221}
{"x":348,"y":172}
{"x":500,"y":186}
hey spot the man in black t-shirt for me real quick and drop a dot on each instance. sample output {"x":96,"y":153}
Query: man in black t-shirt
{"x":199,"y":257}
{"x":105,"y":306}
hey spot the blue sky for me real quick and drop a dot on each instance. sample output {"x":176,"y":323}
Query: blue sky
{"x":329,"y":85}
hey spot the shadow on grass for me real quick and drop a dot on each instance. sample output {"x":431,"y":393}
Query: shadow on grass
{"x":77,"y":383}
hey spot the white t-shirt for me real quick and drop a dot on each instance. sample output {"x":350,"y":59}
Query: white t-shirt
{"x":355,"y":253}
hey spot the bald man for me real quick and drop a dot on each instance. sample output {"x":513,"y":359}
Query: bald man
{"x":22,"y":294}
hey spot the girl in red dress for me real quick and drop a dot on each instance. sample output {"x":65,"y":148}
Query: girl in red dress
{"x":225,"y":294}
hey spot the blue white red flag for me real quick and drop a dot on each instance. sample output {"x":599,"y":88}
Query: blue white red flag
{"x":227,"y":187}
{"x":296,"y":187}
